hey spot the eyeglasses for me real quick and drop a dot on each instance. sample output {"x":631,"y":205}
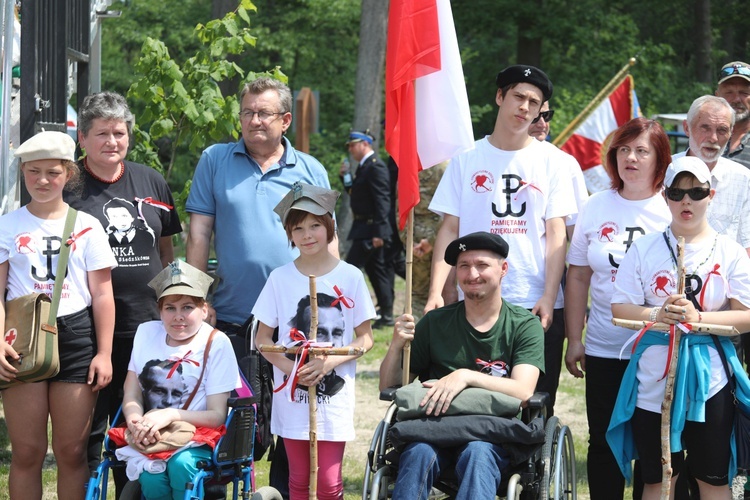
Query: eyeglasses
{"x":547,"y":115}
{"x":263,"y":116}
{"x":696,"y":193}
{"x":735,"y":70}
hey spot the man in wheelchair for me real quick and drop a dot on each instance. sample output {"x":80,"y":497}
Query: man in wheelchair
{"x":481,"y":342}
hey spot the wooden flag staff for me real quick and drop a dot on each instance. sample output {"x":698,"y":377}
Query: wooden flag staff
{"x":406,"y":352}
{"x":312,"y":395}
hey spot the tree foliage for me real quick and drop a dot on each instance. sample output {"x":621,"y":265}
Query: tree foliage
{"x":173,"y":67}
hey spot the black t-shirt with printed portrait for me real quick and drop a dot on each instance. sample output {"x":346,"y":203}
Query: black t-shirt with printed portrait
{"x":135,"y":211}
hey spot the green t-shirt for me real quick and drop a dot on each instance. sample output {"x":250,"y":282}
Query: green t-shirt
{"x":445,"y":342}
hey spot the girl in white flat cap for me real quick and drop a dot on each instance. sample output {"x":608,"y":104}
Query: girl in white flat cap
{"x":30,"y":242}
{"x":344,"y":313}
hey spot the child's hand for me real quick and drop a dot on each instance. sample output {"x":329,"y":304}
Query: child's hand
{"x":7,"y":353}
{"x":313,"y":372}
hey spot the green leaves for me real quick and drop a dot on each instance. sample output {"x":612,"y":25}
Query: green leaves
{"x":184,"y":105}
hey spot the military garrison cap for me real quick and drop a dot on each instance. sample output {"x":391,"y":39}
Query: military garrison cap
{"x":180,"y":278}
{"x":313,"y":199}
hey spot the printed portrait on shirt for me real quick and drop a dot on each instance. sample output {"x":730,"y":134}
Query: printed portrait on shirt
{"x":331,"y":327}
{"x":163,"y":385}
{"x":124,"y":226}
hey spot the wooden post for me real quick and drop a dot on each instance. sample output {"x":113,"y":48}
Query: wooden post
{"x":312,"y":396}
{"x":304,"y":119}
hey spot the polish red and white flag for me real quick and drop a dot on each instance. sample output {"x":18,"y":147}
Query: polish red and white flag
{"x":589,"y":142}
{"x":427,"y":119}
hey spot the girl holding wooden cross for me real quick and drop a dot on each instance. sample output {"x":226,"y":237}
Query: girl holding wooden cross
{"x":344,"y":310}
{"x":717,"y":291}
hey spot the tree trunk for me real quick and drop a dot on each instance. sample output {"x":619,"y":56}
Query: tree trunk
{"x":368,"y":94}
{"x":703,"y":42}
{"x":529,"y":49}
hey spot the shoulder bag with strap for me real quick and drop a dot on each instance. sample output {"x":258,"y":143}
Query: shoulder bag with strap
{"x":31,"y":323}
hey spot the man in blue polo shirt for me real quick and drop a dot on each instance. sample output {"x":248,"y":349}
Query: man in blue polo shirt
{"x":234,"y":190}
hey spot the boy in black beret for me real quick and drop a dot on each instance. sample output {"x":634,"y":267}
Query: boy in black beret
{"x":515,"y":186}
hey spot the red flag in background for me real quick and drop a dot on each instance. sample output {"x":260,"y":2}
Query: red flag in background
{"x":427,"y":118}
{"x":588,"y":144}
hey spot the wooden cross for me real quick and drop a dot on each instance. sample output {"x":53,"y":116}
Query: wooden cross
{"x":666,"y":405}
{"x":312,"y":397}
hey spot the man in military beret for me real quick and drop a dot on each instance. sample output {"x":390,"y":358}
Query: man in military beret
{"x":371,"y":231}
{"x":482,"y":341}
{"x":515,"y":186}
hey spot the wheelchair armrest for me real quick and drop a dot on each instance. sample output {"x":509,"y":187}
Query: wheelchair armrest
{"x":535,"y":406}
{"x":389,"y":393}
{"x":236,"y":402}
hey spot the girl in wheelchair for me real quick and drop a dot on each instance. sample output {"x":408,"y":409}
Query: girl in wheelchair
{"x":345,"y":310}
{"x":181,"y":370}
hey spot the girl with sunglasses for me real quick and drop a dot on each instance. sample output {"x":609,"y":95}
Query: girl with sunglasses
{"x":717,"y":291}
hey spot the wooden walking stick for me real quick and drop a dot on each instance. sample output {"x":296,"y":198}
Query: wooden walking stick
{"x":666,"y":404}
{"x":312,"y":395}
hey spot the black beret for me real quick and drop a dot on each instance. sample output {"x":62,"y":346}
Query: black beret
{"x":520,"y":73}
{"x":476,"y":241}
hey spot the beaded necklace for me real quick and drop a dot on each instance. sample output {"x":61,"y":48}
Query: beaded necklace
{"x":674,"y":258}
{"x":105,"y":181}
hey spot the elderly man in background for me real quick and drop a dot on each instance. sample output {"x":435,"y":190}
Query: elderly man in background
{"x":734,"y":86}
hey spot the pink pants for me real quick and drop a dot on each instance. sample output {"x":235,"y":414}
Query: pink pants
{"x":330,"y":459}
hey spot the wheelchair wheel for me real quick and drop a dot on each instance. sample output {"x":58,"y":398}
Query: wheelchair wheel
{"x":266,"y":493}
{"x":379,"y":472}
{"x":558,"y":463}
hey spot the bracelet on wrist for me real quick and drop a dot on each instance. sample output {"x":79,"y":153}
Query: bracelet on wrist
{"x":654,"y":314}
{"x":700,"y":317}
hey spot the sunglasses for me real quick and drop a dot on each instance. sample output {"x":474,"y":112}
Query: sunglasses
{"x":547,"y":115}
{"x":736,"y":70}
{"x":696,"y":193}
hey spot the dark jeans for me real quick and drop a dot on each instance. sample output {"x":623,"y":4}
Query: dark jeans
{"x":603,"y":378}
{"x":553,"y":353}
{"x":107,"y":404}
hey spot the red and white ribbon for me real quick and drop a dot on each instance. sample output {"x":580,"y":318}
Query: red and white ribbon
{"x":71,"y":242}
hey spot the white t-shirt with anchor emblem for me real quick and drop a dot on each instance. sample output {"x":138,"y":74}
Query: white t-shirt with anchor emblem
{"x":510,"y":193}
{"x":647,"y":275}
{"x":607,"y":226}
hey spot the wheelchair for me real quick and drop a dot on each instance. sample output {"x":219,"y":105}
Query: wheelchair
{"x":548,"y":474}
{"x":232,"y":462}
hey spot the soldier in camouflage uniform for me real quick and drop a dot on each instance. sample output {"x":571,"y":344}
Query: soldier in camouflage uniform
{"x":426,"y":225}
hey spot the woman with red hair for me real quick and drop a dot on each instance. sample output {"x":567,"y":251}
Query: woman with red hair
{"x":637,"y":160}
